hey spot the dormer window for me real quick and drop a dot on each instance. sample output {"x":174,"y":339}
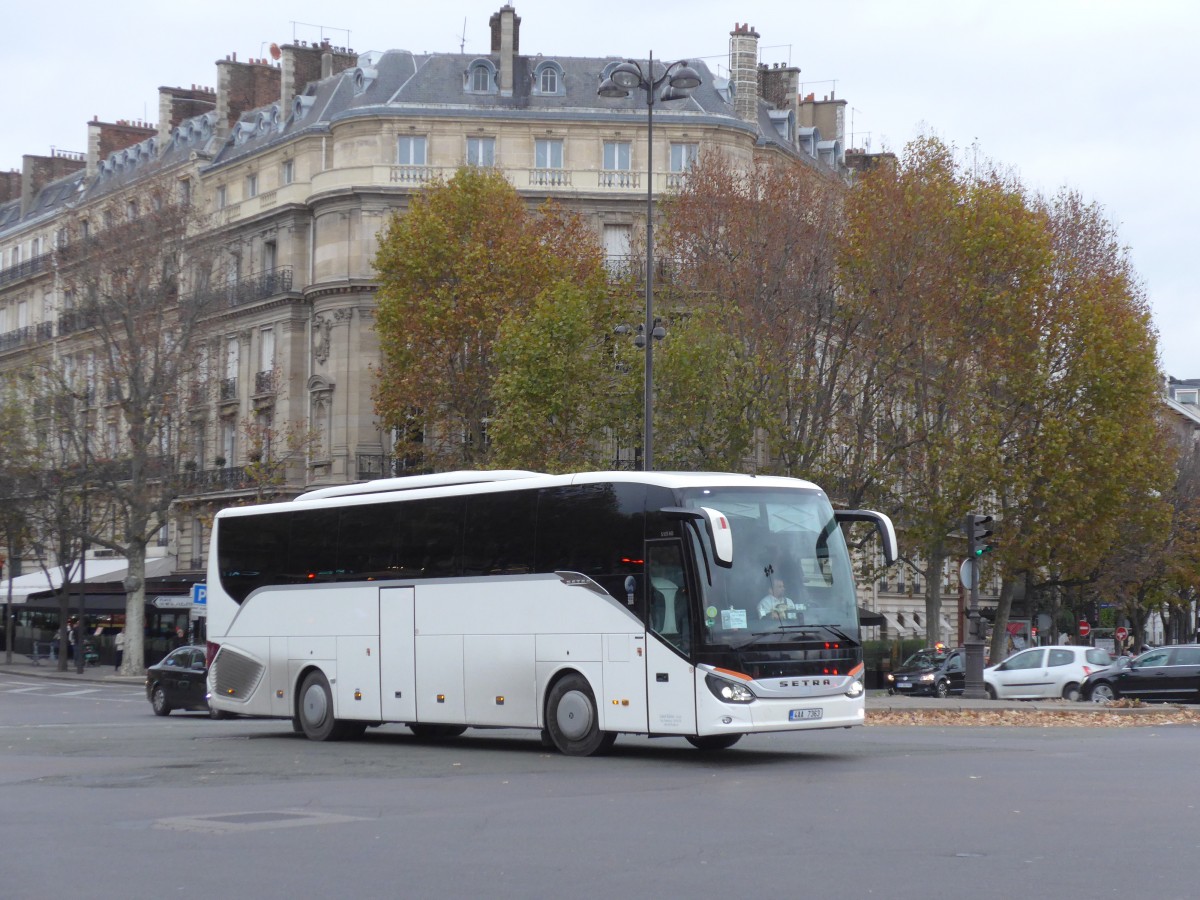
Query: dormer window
{"x":481,"y":77}
{"x":548,"y":79}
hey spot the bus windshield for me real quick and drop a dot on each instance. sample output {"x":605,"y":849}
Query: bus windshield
{"x":791,"y":569}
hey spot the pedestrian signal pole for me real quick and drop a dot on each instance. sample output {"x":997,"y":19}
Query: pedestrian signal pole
{"x":979,"y":531}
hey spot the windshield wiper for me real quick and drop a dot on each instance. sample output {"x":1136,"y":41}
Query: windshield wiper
{"x":834,"y":629}
{"x":759,"y":635}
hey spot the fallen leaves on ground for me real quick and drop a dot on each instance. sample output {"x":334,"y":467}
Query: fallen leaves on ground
{"x":1068,"y":717}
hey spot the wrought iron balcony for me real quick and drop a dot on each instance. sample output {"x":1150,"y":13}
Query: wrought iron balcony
{"x":26,"y":267}
{"x":29,"y":334}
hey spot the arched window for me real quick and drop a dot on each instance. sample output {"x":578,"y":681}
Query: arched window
{"x":548,"y":78}
{"x":481,"y":77}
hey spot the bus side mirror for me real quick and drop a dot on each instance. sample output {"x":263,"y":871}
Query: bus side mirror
{"x":883,"y":525}
{"x":716,"y":526}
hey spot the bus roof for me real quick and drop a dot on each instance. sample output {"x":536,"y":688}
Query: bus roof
{"x":487,"y":481}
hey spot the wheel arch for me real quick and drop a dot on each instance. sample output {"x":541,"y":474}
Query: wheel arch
{"x":297,"y":680}
{"x":565,"y":670}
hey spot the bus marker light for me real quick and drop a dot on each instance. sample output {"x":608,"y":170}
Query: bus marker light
{"x":624,"y":702}
{"x":358,"y":695}
{"x":499,"y":701}
{"x":441,"y":698}
{"x":279,"y":693}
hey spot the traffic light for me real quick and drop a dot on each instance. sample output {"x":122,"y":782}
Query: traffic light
{"x":979,"y":530}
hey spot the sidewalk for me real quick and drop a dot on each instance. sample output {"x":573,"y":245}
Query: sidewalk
{"x":48,"y":668}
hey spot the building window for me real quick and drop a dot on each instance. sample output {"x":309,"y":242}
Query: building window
{"x":268,"y":256}
{"x":288,"y":174}
{"x":131,"y":210}
{"x":185,"y":191}
{"x":548,"y":163}
{"x":481,"y":151}
{"x":410,"y":150}
{"x":85,"y":229}
{"x":251,"y":186}
{"x":618,"y":240}
{"x":616,"y":165}
{"x":221,"y":196}
{"x":1191,"y":397}
{"x":266,"y":349}
{"x":683,"y":157}
{"x":481,"y":77}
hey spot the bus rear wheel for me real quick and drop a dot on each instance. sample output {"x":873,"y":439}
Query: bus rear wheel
{"x":315,"y":711}
{"x":713,"y":741}
{"x":573,"y":720}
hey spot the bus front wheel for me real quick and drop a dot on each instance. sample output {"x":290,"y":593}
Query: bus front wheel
{"x":573,"y":720}
{"x":316,"y":709}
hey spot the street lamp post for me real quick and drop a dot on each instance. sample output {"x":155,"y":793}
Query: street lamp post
{"x":677,"y":81}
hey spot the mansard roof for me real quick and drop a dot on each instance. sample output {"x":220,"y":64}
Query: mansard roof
{"x":401,"y":83}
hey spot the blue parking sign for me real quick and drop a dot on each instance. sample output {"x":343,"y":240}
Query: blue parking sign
{"x":200,"y":596}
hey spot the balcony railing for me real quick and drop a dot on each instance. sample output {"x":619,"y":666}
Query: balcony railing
{"x":29,"y":334}
{"x":633,"y":267}
{"x":550,"y":177}
{"x":250,"y":289}
{"x":620,"y":178}
{"x":412,"y":174}
{"x":264,"y":382}
{"x":211,"y":481}
{"x":229,"y":390}
{"x":26,"y":267}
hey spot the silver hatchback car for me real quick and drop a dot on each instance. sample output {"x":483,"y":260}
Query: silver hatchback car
{"x":1044,"y":672}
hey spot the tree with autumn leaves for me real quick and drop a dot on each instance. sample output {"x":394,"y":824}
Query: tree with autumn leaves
{"x":467,"y":258}
{"x":931,"y":341}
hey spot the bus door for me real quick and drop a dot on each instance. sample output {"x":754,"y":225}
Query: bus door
{"x":670,"y":681}
{"x":397,"y":664}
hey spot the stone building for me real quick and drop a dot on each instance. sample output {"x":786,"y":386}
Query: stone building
{"x":300,"y":159}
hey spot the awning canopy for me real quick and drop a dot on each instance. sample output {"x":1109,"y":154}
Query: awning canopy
{"x":99,"y":571}
{"x":870,"y":619}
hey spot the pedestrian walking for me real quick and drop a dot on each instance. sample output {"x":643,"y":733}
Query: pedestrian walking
{"x":119,"y":644}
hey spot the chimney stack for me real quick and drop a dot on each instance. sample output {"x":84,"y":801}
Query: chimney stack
{"x":743,"y":71}
{"x":506,"y":42}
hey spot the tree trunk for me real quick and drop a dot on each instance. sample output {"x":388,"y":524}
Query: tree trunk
{"x":999,"y":646}
{"x":933,"y":596}
{"x":134,"y":660}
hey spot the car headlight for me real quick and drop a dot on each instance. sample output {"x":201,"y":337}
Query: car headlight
{"x":891,"y":677}
{"x":729,"y":691}
{"x":927,"y":677}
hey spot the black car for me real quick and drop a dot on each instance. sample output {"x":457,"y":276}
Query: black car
{"x":933,"y":670}
{"x":179,"y":681}
{"x":1168,"y":673}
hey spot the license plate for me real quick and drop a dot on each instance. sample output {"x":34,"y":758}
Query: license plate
{"x":902,"y":685}
{"x":802,"y":715}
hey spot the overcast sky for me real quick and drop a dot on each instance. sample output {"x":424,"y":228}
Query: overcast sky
{"x":1094,"y":95}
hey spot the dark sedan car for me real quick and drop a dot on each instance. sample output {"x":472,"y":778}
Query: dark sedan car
{"x":179,"y":681}
{"x":933,"y":670}
{"x":1168,"y":673}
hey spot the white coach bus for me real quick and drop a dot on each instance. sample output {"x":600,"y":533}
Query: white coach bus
{"x":706,"y":606}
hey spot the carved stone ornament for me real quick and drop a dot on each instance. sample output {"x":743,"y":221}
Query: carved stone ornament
{"x":321,"y":329}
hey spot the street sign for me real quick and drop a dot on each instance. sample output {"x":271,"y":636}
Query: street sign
{"x":1084,"y":628}
{"x":200,"y":596}
{"x":965,"y":571}
{"x":1121,"y":633}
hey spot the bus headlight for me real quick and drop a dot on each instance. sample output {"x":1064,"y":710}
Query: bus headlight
{"x":855,"y":689}
{"x":728,"y":691}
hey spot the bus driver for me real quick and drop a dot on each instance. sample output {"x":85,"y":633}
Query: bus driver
{"x":777,"y":605}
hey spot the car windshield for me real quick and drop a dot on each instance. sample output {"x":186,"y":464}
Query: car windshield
{"x":924,"y":659}
{"x":791,"y":569}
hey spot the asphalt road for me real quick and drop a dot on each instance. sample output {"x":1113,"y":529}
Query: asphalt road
{"x":99,"y":798}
